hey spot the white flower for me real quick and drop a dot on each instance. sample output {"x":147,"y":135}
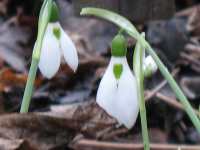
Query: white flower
{"x":56,"y":43}
{"x":118,"y":96}
{"x":149,"y":62}
{"x":149,"y":66}
{"x":117,"y":93}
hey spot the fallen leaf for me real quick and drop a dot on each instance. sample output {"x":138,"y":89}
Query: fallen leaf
{"x":11,"y":40}
{"x":54,"y":129}
{"x":9,"y":79}
{"x":6,"y":144}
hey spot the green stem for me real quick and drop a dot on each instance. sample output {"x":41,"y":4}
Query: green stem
{"x":143,"y":117}
{"x":45,"y":13}
{"x":32,"y":75}
{"x":29,"y":86}
{"x":138,"y":70}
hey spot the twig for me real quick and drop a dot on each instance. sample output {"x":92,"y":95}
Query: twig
{"x":160,"y":86}
{"x":173,"y":102}
{"x":195,"y":68}
{"x":115,"y":133}
{"x":192,"y":48}
{"x":92,"y":144}
{"x":190,"y":59}
{"x":187,"y":12}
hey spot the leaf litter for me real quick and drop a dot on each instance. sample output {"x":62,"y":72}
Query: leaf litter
{"x":63,"y":110}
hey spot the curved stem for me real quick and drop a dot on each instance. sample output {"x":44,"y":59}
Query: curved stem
{"x":42,"y":25}
{"x":138,"y":70}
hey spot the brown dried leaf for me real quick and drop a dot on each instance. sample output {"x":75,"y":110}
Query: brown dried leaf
{"x":6,"y":144}
{"x":93,"y":119}
{"x":13,"y":36}
{"x":54,"y":129}
{"x":8,"y":79}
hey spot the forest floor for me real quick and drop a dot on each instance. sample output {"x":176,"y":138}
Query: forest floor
{"x":63,"y":112}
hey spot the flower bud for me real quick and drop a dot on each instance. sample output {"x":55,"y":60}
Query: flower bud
{"x":150,"y":67}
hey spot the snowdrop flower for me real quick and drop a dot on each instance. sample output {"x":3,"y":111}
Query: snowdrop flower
{"x":56,"y":43}
{"x":149,"y":66}
{"x":117,"y":92}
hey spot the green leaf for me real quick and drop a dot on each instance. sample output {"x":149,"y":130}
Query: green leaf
{"x":139,"y":74}
{"x":112,"y":17}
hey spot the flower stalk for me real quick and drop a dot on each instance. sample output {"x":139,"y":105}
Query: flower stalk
{"x":125,"y":24}
{"x":29,"y":86}
{"x":45,"y":14}
{"x":139,"y":74}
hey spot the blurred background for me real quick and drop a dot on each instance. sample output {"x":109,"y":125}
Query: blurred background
{"x":63,"y":108}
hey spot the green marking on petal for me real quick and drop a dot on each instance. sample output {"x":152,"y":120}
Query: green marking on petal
{"x":54,"y":13}
{"x":117,"y":70}
{"x":57,"y":32}
{"x":119,"y":46}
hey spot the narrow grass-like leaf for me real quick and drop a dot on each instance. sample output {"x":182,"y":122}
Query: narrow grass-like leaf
{"x":139,"y":74}
{"x":112,"y":17}
{"x":42,"y":25}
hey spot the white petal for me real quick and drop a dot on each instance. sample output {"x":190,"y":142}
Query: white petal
{"x":69,"y":50}
{"x":50,"y":54}
{"x":149,"y":62}
{"x":121,"y":102}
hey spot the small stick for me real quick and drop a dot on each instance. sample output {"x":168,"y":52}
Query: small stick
{"x":192,"y":48}
{"x":84,"y":143}
{"x":187,"y":12}
{"x":115,"y":133}
{"x":173,"y":102}
{"x":190,"y":59}
{"x":160,"y":86}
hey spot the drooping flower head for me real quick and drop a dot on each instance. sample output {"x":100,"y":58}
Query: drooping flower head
{"x":117,"y":92}
{"x":56,"y":43}
{"x":149,"y":66}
